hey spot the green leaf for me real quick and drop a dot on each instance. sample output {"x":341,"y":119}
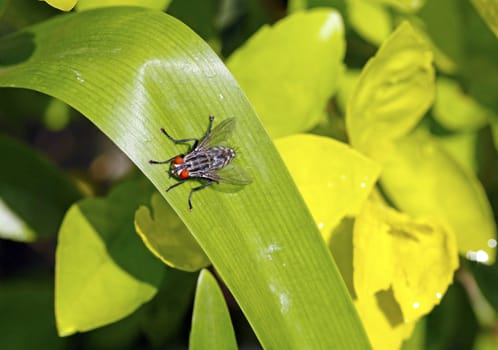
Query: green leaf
{"x":378,"y":26}
{"x":486,"y":340}
{"x":346,"y":87}
{"x":21,"y":13}
{"x":163,"y":318}
{"x":404,"y":5}
{"x":395,"y":89}
{"x":418,"y":340}
{"x":28,"y":305}
{"x":446,"y":38}
{"x":211,"y":324}
{"x":488,"y":9}
{"x":132,"y":71}
{"x":291,"y":96}
{"x":34,"y":194}
{"x":3,"y":7}
{"x":422,"y":179}
{"x":201,"y":20}
{"x":91,"y":4}
{"x":462,"y":147}
{"x":494,"y":131}
{"x":57,"y":115}
{"x":168,"y":238}
{"x":103,"y":271}
{"x":118,"y":335}
{"x":456,"y":110}
{"x":63,"y":5}
{"x":337,"y":171}
{"x":296,"y":5}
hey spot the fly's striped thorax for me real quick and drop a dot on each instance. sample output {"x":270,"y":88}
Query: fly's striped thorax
{"x":206,"y":160}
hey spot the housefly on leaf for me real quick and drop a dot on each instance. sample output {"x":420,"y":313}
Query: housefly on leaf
{"x":208,"y":160}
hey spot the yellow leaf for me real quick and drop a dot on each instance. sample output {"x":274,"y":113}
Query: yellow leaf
{"x":378,"y":27}
{"x":394,"y":91}
{"x":91,"y":4}
{"x":167,"y":237}
{"x":462,"y":147}
{"x":408,"y":6}
{"x":414,"y":257}
{"x":382,"y":320}
{"x":63,"y":5}
{"x":333,"y":178}
{"x":290,"y":70}
{"x":421,"y":178}
{"x":457,"y":111}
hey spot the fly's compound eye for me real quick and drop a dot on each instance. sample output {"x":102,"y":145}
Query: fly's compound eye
{"x":184,"y":174}
{"x":178,"y":160}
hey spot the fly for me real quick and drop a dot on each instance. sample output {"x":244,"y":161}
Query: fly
{"x":209,"y":159}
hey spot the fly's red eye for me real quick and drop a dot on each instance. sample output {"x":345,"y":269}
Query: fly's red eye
{"x":184,"y":174}
{"x":178,"y":160}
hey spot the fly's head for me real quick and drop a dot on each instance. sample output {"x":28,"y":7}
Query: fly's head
{"x":178,"y":168}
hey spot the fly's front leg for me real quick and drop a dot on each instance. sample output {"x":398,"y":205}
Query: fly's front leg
{"x":164,"y":161}
{"x":195,"y":189}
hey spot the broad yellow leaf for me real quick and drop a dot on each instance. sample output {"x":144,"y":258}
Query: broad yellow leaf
{"x":279,"y":70}
{"x":63,"y":5}
{"x":421,"y":178}
{"x":379,"y":24}
{"x":103,"y":271}
{"x":333,"y":178}
{"x":416,"y":258}
{"x":382,"y":320}
{"x":394,"y":90}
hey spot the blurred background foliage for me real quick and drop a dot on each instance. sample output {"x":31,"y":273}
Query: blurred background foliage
{"x":434,"y":137}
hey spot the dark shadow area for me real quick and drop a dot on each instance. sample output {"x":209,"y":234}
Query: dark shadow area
{"x":341,"y":246}
{"x":17,"y":48}
{"x":113,"y":219}
{"x":33,"y":189}
{"x":390,"y":307}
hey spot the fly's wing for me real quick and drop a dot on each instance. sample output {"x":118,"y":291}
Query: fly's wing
{"x":232,"y":175}
{"x":219,"y":135}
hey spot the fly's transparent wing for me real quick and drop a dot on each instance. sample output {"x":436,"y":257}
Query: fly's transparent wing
{"x":219,"y":135}
{"x":232,"y":175}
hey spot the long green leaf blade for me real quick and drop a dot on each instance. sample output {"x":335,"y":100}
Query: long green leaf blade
{"x":132,"y":71}
{"x":211,"y":324}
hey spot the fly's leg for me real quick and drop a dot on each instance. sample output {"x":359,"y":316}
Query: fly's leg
{"x":195,"y":189}
{"x":175,"y":185}
{"x":210,"y":126}
{"x":190,"y":139}
{"x":196,"y":141}
{"x":164,"y":161}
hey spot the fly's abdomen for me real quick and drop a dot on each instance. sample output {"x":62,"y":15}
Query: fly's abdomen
{"x":204,"y":161}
